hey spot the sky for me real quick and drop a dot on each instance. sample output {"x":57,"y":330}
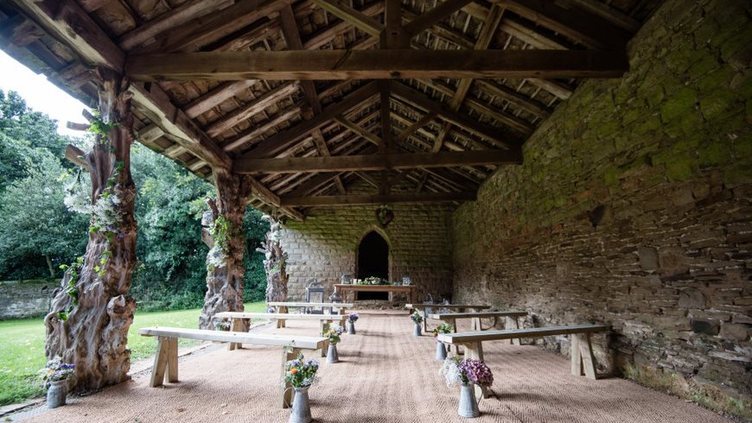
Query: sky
{"x":40,"y":94}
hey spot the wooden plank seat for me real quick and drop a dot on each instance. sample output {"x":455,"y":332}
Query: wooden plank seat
{"x":237,"y":317}
{"x":512,"y":319}
{"x":283,"y":306}
{"x":582,"y":358}
{"x":166,"y":358}
{"x":421,"y":308}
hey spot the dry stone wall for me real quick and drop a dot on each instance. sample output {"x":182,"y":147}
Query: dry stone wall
{"x":634,"y":208}
{"x":19,"y":299}
{"x":324,"y":247}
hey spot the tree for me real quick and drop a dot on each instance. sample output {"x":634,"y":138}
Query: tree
{"x":37,"y":233}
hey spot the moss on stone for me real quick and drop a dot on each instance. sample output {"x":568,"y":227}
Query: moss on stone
{"x":679,"y":102}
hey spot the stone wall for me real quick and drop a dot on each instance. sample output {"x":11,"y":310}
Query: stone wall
{"x":19,"y":299}
{"x":325,"y":246}
{"x":634,"y":208}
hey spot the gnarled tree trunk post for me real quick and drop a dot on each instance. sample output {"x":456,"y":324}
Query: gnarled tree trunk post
{"x":275,"y":261}
{"x":91,"y":313}
{"x":226,"y":239}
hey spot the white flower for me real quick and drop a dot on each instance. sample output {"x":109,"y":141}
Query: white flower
{"x":451,"y":372}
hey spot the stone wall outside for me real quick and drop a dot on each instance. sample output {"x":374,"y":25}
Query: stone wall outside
{"x":634,"y":208}
{"x":324,"y":247}
{"x":20,"y":299}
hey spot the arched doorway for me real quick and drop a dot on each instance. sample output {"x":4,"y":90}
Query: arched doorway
{"x":373,"y":260}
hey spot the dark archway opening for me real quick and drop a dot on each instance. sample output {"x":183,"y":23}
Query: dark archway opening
{"x":373,"y":260}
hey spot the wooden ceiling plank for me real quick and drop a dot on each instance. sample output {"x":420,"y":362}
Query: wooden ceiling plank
{"x":555,"y":88}
{"x":356,"y":18}
{"x":216,"y":96}
{"x":376,"y":64}
{"x":576,"y":24}
{"x":175,"y":17}
{"x":266,"y":195}
{"x":282,"y":141}
{"x":377,"y":161}
{"x":371,"y":199}
{"x":253,"y":107}
{"x":325,"y":36}
{"x":612,"y":15}
{"x":419,"y":99}
{"x":529,"y":35}
{"x":518,"y":100}
{"x":356,"y":129}
{"x":257,"y":131}
{"x":198,"y":32}
{"x":434,"y":16}
{"x":485,"y":37}
{"x":423,"y":121}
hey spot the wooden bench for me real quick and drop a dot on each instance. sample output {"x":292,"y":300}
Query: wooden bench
{"x":166,"y":358}
{"x":421,"y":308}
{"x":283,"y":306}
{"x":237,"y":317}
{"x":512,"y":319}
{"x":582,"y":358}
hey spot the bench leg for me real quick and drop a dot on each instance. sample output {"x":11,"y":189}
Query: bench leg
{"x":172,"y":360}
{"x":281,"y":322}
{"x":160,"y":362}
{"x":513,"y":322}
{"x":575,"y":357}
{"x":287,"y":390}
{"x":586,"y":353}
{"x":324,"y":327}
{"x":425,"y":320}
{"x":236,"y":325}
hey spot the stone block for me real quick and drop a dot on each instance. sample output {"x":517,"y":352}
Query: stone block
{"x":692,"y":298}
{"x":734,"y":332}
{"x":648,"y":258}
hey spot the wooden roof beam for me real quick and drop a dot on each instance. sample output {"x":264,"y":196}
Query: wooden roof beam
{"x":578,"y":25}
{"x":356,"y":18}
{"x":216,"y":96}
{"x":253,"y":107}
{"x":376,"y":64}
{"x":434,"y":16}
{"x":371,"y":199}
{"x":417,"y":98}
{"x":284,"y":140}
{"x":325,"y":36}
{"x":378,"y":161}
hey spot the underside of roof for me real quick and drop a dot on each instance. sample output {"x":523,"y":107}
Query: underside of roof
{"x":420,"y":99}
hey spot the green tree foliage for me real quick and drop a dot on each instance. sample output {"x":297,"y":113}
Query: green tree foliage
{"x":35,"y":225}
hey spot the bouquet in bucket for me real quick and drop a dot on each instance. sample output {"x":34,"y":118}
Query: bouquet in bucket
{"x":301,"y":373}
{"x":443,"y":328}
{"x":416,"y":317}
{"x":56,"y":370}
{"x":334,"y":334}
{"x":353,"y":317}
{"x":466,"y":371}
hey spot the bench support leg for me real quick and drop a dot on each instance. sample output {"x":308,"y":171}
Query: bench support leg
{"x":513,"y":322}
{"x":236,"y":325}
{"x":287,"y":390}
{"x":325,"y":327}
{"x":281,"y":322}
{"x":166,"y":359}
{"x":583,"y":360}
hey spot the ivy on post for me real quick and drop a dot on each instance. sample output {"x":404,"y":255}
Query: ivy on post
{"x":223,"y":233}
{"x":91,"y":312}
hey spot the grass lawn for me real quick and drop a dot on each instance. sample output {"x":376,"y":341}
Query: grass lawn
{"x":22,"y":347}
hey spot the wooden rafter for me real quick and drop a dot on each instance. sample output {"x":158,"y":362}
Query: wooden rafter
{"x":356,"y":18}
{"x":377,"y":161}
{"x":376,"y":64}
{"x":434,"y":15}
{"x":362,"y":200}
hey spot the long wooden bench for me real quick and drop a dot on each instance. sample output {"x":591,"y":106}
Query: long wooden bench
{"x":512,"y":319}
{"x":237,"y":317}
{"x":166,"y":358}
{"x":582,"y":358}
{"x":421,"y":308}
{"x":283,"y":306}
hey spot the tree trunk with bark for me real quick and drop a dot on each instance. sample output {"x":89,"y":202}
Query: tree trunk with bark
{"x":275,"y":261}
{"x":91,"y":312}
{"x":225,"y":236}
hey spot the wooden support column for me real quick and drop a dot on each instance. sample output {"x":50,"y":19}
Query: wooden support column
{"x":89,"y":327}
{"x":224,"y":263}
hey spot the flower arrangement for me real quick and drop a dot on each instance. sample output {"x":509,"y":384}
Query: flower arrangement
{"x":462,"y":372}
{"x":416,"y":317}
{"x":56,"y":370}
{"x":373,"y":280}
{"x":301,"y":373}
{"x":334,"y":334}
{"x":443,"y":328}
{"x":353,"y":317}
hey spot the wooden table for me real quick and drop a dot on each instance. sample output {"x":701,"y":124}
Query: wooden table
{"x":421,"y":308}
{"x":410,"y":290}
